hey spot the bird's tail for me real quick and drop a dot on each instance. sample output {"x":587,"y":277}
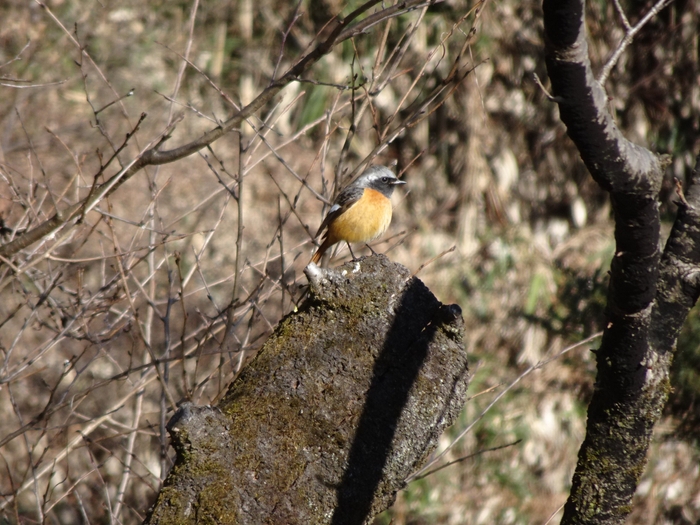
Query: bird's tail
{"x":321,"y":250}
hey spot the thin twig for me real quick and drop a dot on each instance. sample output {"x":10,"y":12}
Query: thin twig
{"x":239,"y":225}
{"x":629,"y":37}
{"x":183,"y":65}
{"x":128,"y":455}
{"x":18,"y":56}
{"x":551,"y":516}
{"x":440,"y":255}
{"x":546,"y":93}
{"x":129,"y":93}
{"x":295,"y":16}
{"x":623,"y":16}
{"x":465,"y":458}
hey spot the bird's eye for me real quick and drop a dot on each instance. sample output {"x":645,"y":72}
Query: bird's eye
{"x":385,"y":180}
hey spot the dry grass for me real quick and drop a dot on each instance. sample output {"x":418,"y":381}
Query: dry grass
{"x":167,"y":286}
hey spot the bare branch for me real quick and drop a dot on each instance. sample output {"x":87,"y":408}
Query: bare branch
{"x":630,"y":32}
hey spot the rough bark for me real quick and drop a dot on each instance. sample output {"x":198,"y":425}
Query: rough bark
{"x":345,"y":400}
{"x":650,"y":293}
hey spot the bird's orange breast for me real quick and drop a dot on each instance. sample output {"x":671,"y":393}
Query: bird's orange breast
{"x":364,"y":221}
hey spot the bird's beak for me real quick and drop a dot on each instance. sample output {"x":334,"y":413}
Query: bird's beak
{"x":397,"y":181}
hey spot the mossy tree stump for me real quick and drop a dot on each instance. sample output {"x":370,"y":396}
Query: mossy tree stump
{"x":344,"y":401}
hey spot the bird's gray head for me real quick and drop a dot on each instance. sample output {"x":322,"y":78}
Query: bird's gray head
{"x":378,"y":178}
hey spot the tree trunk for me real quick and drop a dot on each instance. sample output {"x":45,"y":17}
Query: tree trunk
{"x":650,"y":292}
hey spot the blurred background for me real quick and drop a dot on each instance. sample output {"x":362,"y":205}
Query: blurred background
{"x":499,"y":215}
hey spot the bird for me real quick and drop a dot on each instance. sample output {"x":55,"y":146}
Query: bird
{"x":361,"y":212}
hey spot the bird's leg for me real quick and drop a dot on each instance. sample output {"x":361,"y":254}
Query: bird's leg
{"x":370,"y":249}
{"x":352,"y":254}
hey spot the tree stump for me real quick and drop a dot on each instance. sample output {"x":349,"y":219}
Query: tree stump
{"x":345,"y":400}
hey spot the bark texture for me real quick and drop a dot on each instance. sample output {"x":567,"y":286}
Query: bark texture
{"x":345,"y":400}
{"x":650,"y":291}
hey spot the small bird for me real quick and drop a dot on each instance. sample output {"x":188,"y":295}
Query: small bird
{"x":362,"y":211}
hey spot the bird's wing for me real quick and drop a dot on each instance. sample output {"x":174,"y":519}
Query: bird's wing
{"x":345,"y":200}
